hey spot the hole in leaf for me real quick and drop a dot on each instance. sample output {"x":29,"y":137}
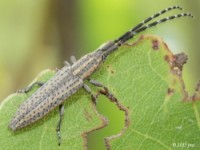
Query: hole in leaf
{"x":116,"y":122}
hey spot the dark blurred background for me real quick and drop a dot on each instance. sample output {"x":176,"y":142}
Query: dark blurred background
{"x":40,"y":34}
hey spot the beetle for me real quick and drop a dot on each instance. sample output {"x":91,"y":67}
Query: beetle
{"x":69,"y":79}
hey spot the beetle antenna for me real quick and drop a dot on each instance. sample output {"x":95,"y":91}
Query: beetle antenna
{"x":155,"y":16}
{"x":128,"y":35}
{"x":113,"y":45}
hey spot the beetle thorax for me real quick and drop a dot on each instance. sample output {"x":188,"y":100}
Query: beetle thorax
{"x":87,"y":65}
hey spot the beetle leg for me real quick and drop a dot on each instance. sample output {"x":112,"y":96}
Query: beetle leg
{"x":105,"y":92}
{"x":29,"y":88}
{"x":72,"y":59}
{"x":94,"y":97}
{"x":66,"y":63}
{"x":61,"y":112}
{"x":96,"y":83}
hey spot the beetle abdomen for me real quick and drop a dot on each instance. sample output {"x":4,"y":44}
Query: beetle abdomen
{"x":46,"y":98}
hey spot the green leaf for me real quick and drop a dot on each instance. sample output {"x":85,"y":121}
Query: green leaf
{"x":145,"y":78}
{"x":145,"y":82}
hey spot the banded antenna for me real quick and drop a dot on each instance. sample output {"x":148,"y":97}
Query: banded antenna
{"x":142,"y":26}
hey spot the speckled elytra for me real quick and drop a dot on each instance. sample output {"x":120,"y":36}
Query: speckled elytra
{"x":69,"y":79}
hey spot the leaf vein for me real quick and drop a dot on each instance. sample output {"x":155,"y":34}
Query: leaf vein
{"x":151,"y":138}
